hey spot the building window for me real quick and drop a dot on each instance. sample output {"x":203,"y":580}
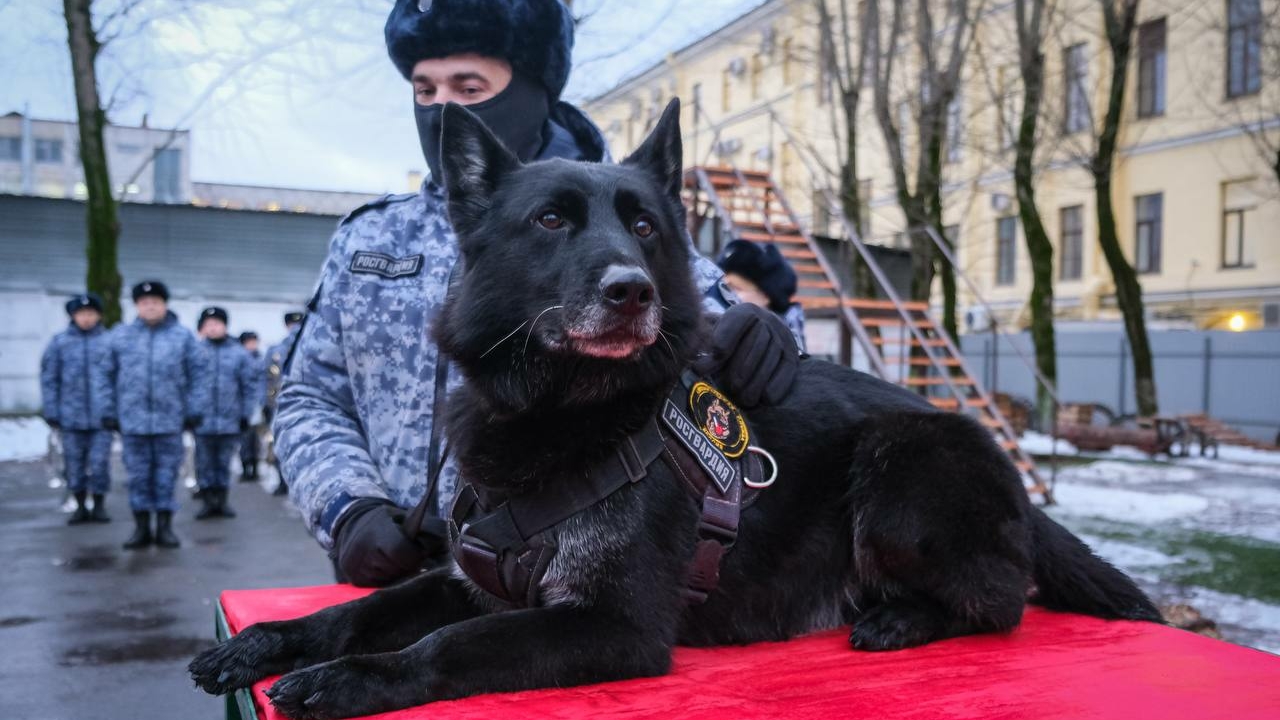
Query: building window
{"x":725,"y":89}
{"x":167,"y":176}
{"x":1151,"y":68}
{"x":757,"y":73}
{"x":1147,"y":209}
{"x":1238,"y":226}
{"x":48,"y":151}
{"x":10,"y":148}
{"x":1244,"y":47}
{"x":955,"y":130}
{"x":1006,"y":249}
{"x":1071,"y":226}
{"x":1075,"y":103}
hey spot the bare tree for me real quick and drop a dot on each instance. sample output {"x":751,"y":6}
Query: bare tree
{"x":103,"y":274}
{"x":836,"y":56}
{"x":1030,"y":18}
{"x":940,"y":55}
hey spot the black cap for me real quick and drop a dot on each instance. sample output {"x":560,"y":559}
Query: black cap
{"x":764,"y":266}
{"x":248,"y":335}
{"x":293,"y":318}
{"x":82,"y":301}
{"x":535,"y":36}
{"x":214,"y":312}
{"x":154,"y":288}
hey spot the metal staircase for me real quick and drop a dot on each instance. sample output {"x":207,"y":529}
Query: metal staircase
{"x":901,"y":342}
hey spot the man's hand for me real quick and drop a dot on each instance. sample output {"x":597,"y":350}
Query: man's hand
{"x":244,"y":424}
{"x":191,"y":422}
{"x":52,"y":423}
{"x":110,"y":423}
{"x":372,"y":548}
{"x":753,"y":355}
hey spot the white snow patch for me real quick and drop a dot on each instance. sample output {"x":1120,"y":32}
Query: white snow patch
{"x":1230,"y":609}
{"x":1126,"y":555}
{"x":1041,"y":444}
{"x":1242,"y":454}
{"x":1253,"y":498}
{"x":25,"y":438}
{"x":1115,"y":471}
{"x":1223,"y":467}
{"x":1125,"y":505}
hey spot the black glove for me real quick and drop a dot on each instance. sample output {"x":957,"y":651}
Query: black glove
{"x":267,"y":413}
{"x":110,"y":423}
{"x":191,"y":422}
{"x":372,"y":549}
{"x":753,"y":355}
{"x":244,"y":424}
{"x":52,"y":423}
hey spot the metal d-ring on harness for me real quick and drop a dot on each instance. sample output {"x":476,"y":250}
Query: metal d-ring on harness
{"x":501,"y":541}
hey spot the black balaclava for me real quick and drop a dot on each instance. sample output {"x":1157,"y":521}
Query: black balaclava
{"x":516,"y":116}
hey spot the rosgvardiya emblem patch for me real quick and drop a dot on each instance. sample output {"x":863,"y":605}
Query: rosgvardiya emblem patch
{"x":718,"y":419}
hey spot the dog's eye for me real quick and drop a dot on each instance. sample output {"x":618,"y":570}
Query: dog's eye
{"x":642,"y":227}
{"x":551,"y":220}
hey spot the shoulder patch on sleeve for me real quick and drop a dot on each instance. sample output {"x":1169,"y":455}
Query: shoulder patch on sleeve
{"x":372,"y":204}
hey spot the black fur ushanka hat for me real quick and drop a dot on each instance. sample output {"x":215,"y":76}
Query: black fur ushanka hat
{"x":535,"y":36}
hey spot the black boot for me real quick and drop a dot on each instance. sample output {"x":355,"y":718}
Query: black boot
{"x":209,"y":504}
{"x":281,"y":488}
{"x":81,"y":514}
{"x":224,"y":509}
{"x":249,"y":473}
{"x":141,"y":536}
{"x":164,"y":530}
{"x":99,"y":514}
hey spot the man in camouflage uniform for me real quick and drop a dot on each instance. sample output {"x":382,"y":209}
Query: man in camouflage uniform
{"x":250,"y":445}
{"x":354,"y":427}
{"x":275,"y":360}
{"x":226,"y":391}
{"x":147,"y":379}
{"x":70,"y":392}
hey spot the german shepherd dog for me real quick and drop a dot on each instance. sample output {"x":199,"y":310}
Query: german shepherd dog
{"x":573,"y":319}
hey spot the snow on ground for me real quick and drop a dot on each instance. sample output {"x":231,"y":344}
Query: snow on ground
{"x":25,"y":438}
{"x":1041,"y":444}
{"x":1125,"y":505}
{"x":1129,"y":473}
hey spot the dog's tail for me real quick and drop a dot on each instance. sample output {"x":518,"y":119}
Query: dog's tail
{"x":1069,"y":577}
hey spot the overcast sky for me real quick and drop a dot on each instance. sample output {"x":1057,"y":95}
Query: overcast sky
{"x":295,"y":93}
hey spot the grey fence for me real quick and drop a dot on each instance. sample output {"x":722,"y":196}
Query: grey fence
{"x":1234,"y":377}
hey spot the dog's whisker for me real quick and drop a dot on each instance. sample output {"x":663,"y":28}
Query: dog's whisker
{"x":670,"y":349}
{"x":504,"y":338}
{"x":535,"y":322}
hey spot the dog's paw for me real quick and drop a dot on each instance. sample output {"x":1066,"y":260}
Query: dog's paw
{"x":343,"y":688}
{"x":238,"y":662}
{"x":893,"y":627}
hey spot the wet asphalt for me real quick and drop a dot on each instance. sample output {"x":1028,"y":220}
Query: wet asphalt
{"x":89,"y":630}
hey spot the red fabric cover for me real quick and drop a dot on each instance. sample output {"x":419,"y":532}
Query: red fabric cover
{"x":1054,"y":666}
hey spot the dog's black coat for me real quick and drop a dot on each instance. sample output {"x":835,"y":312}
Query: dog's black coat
{"x":907,"y":522}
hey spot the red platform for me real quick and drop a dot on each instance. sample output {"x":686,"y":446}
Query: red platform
{"x":1054,"y":666}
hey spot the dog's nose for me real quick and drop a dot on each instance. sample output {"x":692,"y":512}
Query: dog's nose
{"x":626,"y":289}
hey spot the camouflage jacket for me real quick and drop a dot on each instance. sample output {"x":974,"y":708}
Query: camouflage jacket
{"x":70,"y":386}
{"x":147,"y":377}
{"x":273,"y":365}
{"x":226,"y":387}
{"x":355,"y":412}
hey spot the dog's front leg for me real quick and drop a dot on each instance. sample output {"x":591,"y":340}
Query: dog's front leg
{"x":518,"y":650}
{"x":389,"y":619}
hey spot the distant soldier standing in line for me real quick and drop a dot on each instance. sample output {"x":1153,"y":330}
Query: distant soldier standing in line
{"x":226,"y":390}
{"x":276,"y":358}
{"x":148,"y":380}
{"x":250,"y":445}
{"x":73,"y":405}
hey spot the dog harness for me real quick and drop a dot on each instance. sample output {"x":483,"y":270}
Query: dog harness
{"x":502,"y":542}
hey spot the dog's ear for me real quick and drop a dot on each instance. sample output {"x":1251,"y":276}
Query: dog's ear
{"x":473,"y":161}
{"x":661,"y":152}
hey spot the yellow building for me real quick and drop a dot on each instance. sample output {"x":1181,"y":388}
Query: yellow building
{"x":1198,"y":206}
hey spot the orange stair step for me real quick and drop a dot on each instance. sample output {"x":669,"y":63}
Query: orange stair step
{"x":869,"y":304}
{"x":895,"y":322}
{"x":930,"y":342}
{"x":933,"y":381}
{"x":951,"y":404}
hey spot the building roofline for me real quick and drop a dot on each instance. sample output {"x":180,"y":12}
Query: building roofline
{"x":764,"y":9}
{"x":180,"y":206}
{"x":285,"y":188}
{"x":18,"y":114}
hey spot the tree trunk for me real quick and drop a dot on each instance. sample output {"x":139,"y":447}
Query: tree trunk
{"x":1039,"y":249}
{"x":103,"y":227}
{"x":1128,"y":289}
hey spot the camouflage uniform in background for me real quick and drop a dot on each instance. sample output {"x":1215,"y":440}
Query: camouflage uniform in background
{"x":250,"y":445}
{"x":226,"y":392}
{"x":355,"y":413}
{"x":71,"y":391}
{"x":147,"y":382}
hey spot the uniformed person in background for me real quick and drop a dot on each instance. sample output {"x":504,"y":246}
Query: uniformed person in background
{"x":758,"y":274}
{"x":147,"y":383}
{"x":226,"y":391}
{"x":354,"y":429}
{"x":250,"y":443}
{"x":275,"y":360}
{"x":71,"y":395}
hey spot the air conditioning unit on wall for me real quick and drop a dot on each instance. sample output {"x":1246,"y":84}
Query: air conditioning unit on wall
{"x":977,"y":319}
{"x":737,"y":67}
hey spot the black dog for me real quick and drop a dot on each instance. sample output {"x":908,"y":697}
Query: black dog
{"x":573,"y":320}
